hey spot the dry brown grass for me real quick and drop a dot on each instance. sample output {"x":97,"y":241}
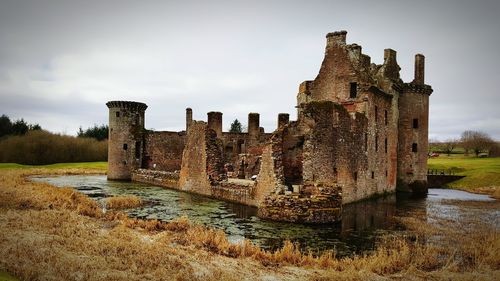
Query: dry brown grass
{"x":51,"y":233}
{"x":123,"y":202}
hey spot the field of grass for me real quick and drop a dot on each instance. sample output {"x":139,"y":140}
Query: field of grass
{"x":481,"y":174}
{"x":7,"y":277}
{"x":82,"y":165}
{"x":51,"y":233}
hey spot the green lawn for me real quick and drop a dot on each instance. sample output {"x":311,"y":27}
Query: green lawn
{"x":4,"y":276}
{"x":81,"y":165}
{"x":479,"y":172}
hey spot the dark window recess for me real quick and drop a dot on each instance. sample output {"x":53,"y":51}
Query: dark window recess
{"x":137,"y":149}
{"x":125,"y":146}
{"x":376,"y":143}
{"x":354,"y":90}
{"x":414,"y":147}
{"x":376,"y":113}
{"x":373,"y":174}
{"x":415,"y":123}
{"x":386,"y":173}
{"x":355,"y":176}
{"x":385,"y":117}
{"x":385,"y":145}
{"x":118,"y":114}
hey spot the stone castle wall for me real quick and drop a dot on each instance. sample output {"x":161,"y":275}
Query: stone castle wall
{"x":163,"y":150}
{"x":413,"y":138}
{"x":360,"y":131}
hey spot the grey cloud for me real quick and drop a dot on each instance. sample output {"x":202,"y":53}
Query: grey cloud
{"x":62,"y":60}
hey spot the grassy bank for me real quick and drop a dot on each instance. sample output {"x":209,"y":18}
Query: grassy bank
{"x":482,"y":175}
{"x":103,"y":166}
{"x":51,"y":233}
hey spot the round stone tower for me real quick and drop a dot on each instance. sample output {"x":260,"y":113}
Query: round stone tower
{"x":126,"y":138}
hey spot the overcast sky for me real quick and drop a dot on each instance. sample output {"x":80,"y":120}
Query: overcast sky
{"x":61,"y":61}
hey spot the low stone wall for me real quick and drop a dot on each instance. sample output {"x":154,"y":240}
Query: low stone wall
{"x":296,"y":208}
{"x":160,"y":178}
{"x":441,"y":180}
{"x":227,"y":191}
{"x":235,"y":193}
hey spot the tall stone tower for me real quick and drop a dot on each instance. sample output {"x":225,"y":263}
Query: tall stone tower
{"x":413,"y":129}
{"x":126,"y":138}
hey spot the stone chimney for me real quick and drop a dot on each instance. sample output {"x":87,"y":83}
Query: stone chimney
{"x":253,"y":124}
{"x":215,"y":122}
{"x":419,"y":69}
{"x":336,"y":38}
{"x":283,"y":119}
{"x":189,"y":118}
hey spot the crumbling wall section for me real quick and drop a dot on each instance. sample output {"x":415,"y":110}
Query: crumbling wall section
{"x":193,"y":175}
{"x":292,"y":158}
{"x":215,"y":157}
{"x":342,"y":65}
{"x":270,"y":179}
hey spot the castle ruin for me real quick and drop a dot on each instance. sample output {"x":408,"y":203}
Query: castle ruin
{"x":360,"y":131}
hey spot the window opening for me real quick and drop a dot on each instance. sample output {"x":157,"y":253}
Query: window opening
{"x":354,"y":90}
{"x":137,"y":149}
{"x":414,"y":147}
{"x":415,"y":123}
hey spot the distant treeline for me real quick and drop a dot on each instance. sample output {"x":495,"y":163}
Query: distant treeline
{"x":18,"y":127}
{"x":96,"y":132}
{"x":25,"y":143}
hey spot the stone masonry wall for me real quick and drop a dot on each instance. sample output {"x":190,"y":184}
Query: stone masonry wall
{"x":412,"y":168}
{"x":163,"y":151}
{"x":126,"y":128}
{"x":193,"y":175}
{"x":160,"y":178}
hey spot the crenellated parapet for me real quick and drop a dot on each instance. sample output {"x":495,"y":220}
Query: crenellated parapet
{"x":132,"y":105}
{"x":126,"y":138}
{"x":417,"y":88}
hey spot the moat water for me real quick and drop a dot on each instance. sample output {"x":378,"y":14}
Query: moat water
{"x":362,"y":223}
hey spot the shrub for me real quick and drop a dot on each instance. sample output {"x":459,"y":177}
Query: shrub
{"x":123,"y":202}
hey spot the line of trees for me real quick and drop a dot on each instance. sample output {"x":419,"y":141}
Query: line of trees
{"x":96,"y":132}
{"x":18,"y":127}
{"x":475,"y":142}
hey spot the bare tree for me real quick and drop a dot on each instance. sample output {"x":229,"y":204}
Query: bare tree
{"x":449,"y":145}
{"x":476,"y":141}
